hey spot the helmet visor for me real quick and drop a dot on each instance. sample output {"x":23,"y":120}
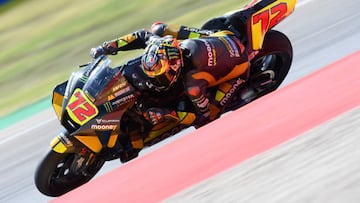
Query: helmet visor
{"x":153,"y":65}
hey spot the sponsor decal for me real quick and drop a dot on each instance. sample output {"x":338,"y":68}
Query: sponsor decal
{"x":211,"y":54}
{"x":122,"y":91}
{"x":123,"y":100}
{"x":196,"y":30}
{"x":230,"y":46}
{"x":104,"y":121}
{"x":108,"y":107}
{"x":117,"y":87}
{"x":104,"y":127}
{"x":84,"y":78}
{"x":233,"y":89}
{"x":234,"y":47}
{"x":118,"y":93}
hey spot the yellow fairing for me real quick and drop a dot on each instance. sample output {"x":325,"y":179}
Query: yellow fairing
{"x":91,"y":141}
{"x":57,"y":103}
{"x":58,"y":146}
{"x":267,"y":18}
{"x":112,"y":140}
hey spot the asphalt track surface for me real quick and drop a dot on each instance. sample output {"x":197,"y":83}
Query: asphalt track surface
{"x":322,"y":32}
{"x":321,"y":165}
{"x":235,"y":138}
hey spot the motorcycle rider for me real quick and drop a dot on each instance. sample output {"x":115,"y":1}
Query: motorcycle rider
{"x":203,"y":59}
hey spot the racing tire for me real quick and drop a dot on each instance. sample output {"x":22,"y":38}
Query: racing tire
{"x":53,"y":176}
{"x":277,"y":55}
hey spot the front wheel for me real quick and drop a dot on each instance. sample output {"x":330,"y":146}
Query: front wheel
{"x":56,"y":174}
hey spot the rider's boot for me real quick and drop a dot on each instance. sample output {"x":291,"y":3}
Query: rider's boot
{"x":127,"y":151}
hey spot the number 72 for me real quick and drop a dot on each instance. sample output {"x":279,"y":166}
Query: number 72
{"x":264,"y":21}
{"x":80,"y":108}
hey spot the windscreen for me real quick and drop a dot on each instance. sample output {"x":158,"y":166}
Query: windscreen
{"x":99,"y":78}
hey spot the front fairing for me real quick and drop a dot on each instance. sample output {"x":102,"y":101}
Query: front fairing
{"x":96,"y":97}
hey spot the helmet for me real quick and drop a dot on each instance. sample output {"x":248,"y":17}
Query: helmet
{"x":162,"y":62}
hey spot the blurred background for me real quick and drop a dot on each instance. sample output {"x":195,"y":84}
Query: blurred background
{"x":43,"y":41}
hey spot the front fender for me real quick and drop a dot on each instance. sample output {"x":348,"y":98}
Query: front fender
{"x":65,"y":143}
{"x":62,"y":144}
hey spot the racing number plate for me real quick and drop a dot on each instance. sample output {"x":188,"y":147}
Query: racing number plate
{"x":265,"y":19}
{"x":80,"y":108}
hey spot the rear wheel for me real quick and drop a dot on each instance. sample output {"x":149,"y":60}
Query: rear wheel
{"x":58,"y":173}
{"x":271,"y":65}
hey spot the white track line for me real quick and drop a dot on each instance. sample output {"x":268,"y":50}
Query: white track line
{"x":302,"y":3}
{"x":14,"y":136}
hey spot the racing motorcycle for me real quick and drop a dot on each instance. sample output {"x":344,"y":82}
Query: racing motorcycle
{"x":100,"y":107}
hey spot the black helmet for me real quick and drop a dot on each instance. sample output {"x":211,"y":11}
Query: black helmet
{"x":162,"y":61}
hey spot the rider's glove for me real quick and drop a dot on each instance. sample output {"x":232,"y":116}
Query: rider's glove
{"x":96,"y":52}
{"x":158,"y":28}
{"x":204,"y":113}
{"x":156,"y":115}
{"x":106,"y":49}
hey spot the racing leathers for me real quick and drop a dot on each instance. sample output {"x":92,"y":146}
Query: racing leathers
{"x":210,"y":58}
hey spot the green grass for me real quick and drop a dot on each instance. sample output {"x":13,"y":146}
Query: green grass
{"x":42,"y":42}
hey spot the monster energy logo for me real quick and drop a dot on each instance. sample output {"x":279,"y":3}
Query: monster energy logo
{"x":108,"y":107}
{"x":84,"y":78}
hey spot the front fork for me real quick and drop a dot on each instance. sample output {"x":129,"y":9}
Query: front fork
{"x":87,"y":147}
{"x":83,"y":157}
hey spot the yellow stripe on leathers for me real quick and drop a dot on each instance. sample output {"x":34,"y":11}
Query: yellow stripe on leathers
{"x":172,"y":30}
{"x":112,"y":140}
{"x":223,"y":88}
{"x":236,"y":71}
{"x":125,"y":40}
{"x":186,"y":118}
